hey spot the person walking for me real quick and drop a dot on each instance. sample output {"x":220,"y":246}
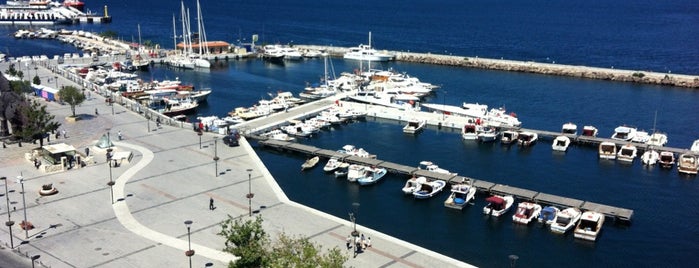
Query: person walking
{"x":87,"y":151}
{"x":211,"y":203}
{"x":119,"y":134}
{"x":65,"y":135}
{"x":349,"y":242}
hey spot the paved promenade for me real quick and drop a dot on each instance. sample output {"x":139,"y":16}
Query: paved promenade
{"x":169,"y":180}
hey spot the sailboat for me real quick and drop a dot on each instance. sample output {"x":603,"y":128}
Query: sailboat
{"x":657,"y":138}
{"x":139,"y":62}
{"x":180,"y":60}
{"x":200,"y":58}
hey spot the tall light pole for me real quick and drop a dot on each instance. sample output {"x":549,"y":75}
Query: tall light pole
{"x":34,"y":258}
{"x":111,"y":182}
{"x":189,"y":253}
{"x":250,"y":195}
{"x":216,"y":155}
{"x":20,"y":179}
{"x":9,"y":221}
{"x":199,"y":133}
{"x":55,"y":78}
{"x":353,"y":218}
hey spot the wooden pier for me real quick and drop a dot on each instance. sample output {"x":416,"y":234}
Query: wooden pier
{"x":617,"y":213}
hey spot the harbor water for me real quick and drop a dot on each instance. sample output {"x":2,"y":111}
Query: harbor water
{"x":664,"y":230}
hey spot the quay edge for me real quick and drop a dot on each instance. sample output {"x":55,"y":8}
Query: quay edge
{"x":610,"y":74}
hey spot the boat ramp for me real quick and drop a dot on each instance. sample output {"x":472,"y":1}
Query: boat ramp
{"x":622,"y":214}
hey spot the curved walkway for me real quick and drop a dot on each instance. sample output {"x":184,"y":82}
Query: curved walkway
{"x":123,"y":214}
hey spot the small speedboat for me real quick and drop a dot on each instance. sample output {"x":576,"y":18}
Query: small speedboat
{"x":687,"y":164}
{"x":565,"y":220}
{"x":429,"y":189}
{"x":413,"y":184}
{"x":342,"y":170}
{"x":589,"y":226}
{"x":526,"y":211}
{"x":372,"y":175}
{"x":627,"y":153}
{"x":355,"y":172}
{"x":641,"y":137}
{"x":650,"y":157}
{"x":695,"y":146}
{"x":560,"y":143}
{"x":607,"y":150}
{"x":414,"y":126}
{"x":589,"y":131}
{"x":429,"y":166}
{"x":461,"y":194}
{"x":509,"y":136}
{"x":498,"y":205}
{"x":332,"y":164}
{"x":657,"y":139}
{"x":624,"y":133}
{"x":527,"y":138}
{"x":548,"y":215}
{"x":488,"y":134}
{"x":469,"y":132}
{"x":667,"y":159}
{"x":570,"y":129}
{"x":310,"y":163}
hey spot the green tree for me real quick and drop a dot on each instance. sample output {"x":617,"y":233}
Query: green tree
{"x":248,"y":241}
{"x":37,"y":80}
{"x":71,"y":95}
{"x":20,"y":87}
{"x":34,"y":122}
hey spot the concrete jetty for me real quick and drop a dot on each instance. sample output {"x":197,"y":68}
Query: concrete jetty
{"x":610,"y":74}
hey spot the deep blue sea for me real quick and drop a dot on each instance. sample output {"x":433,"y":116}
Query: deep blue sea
{"x":641,"y":35}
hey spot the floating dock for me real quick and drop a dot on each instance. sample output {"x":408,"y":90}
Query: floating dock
{"x":617,"y":213}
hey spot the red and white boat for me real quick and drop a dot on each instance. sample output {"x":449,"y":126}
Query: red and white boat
{"x":77,"y":4}
{"x":526,"y":211}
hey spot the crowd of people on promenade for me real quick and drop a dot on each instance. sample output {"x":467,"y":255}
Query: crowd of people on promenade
{"x":359,"y":242}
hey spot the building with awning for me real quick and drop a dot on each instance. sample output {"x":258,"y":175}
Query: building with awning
{"x":214,"y":47}
{"x":54,"y":152}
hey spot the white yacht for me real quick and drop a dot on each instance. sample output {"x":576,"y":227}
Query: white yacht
{"x":589,"y":131}
{"x":527,"y":138}
{"x":461,"y":194}
{"x":414,"y":126}
{"x":624,"y":133}
{"x":469,"y":132}
{"x":695,"y":146}
{"x":367,"y":53}
{"x":687,"y":164}
{"x":650,"y":157}
{"x":570,"y":128}
{"x":509,"y":137}
{"x":589,"y":226}
{"x":526,"y":211}
{"x":627,"y":153}
{"x":607,"y":150}
{"x":657,"y":139}
{"x":565,"y":220}
{"x":488,"y":134}
{"x":429,"y":166}
{"x":560,"y":143}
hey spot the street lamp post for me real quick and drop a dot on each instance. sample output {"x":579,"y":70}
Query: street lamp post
{"x":111,"y":182}
{"x":216,"y":155}
{"x":148,"y":121}
{"x":189,"y":253}
{"x":250,"y":195}
{"x":353,"y":218}
{"x":34,"y":258}
{"x":20,"y":179}
{"x":55,"y":78}
{"x":199,"y":133}
{"x":111,"y":101}
{"x":9,"y":221}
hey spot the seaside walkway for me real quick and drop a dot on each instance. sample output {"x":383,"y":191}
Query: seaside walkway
{"x":170,"y":180}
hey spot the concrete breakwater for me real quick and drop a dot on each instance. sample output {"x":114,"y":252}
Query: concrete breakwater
{"x":644,"y":77}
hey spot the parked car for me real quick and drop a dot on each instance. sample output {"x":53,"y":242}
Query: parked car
{"x":232,"y":138}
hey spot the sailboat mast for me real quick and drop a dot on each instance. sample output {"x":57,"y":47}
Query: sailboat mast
{"x":174,"y":32}
{"x":139,"y":38}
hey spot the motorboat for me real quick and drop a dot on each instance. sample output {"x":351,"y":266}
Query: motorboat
{"x":332,"y":164}
{"x":461,"y":194}
{"x":177,"y":107}
{"x":291,"y":53}
{"x":342,"y":170}
{"x":429,"y":189}
{"x":565,"y":220}
{"x":667,"y":159}
{"x":498,"y":205}
{"x":607,"y":150}
{"x":366,"y":53}
{"x":429,"y":166}
{"x":527,"y":138}
{"x":589,"y":131}
{"x":509,"y":137}
{"x":548,"y":215}
{"x":624,"y":133}
{"x":650,"y":157}
{"x":657,"y":139}
{"x":310,"y":163}
{"x":627,"y":153}
{"x":413,"y":184}
{"x":526,"y":212}
{"x":278,"y":134}
{"x":641,"y":137}
{"x":372,"y":175}
{"x":560,"y":143}
{"x":496,"y":117}
{"x":687,"y":164}
{"x":469,"y":132}
{"x":695,"y":146}
{"x":488,"y":134}
{"x":273,"y":53}
{"x":355,"y":172}
{"x":589,"y":226}
{"x":396,"y":101}
{"x":414,"y":126}
{"x":570,"y":129}
{"x":354,"y":151}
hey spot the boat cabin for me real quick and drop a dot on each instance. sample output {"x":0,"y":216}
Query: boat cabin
{"x":495,"y":203}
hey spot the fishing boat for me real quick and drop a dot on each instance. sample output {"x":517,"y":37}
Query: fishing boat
{"x":589,"y":226}
{"x":509,"y":137}
{"x":414,"y":126}
{"x":687,"y":164}
{"x":548,"y":215}
{"x":526,"y":211}
{"x":565,"y":220}
{"x":607,"y":150}
{"x":488,"y":134}
{"x":527,"y":138}
{"x":498,"y":205}
{"x":667,"y":159}
{"x":589,"y":131}
{"x":650,"y":157}
{"x":429,"y":189}
{"x":372,"y":175}
{"x":624,"y":133}
{"x":627,"y":153}
{"x":310,"y":163}
{"x":461,"y":194}
{"x":560,"y":143}
{"x":413,"y":184}
{"x":355,"y":171}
